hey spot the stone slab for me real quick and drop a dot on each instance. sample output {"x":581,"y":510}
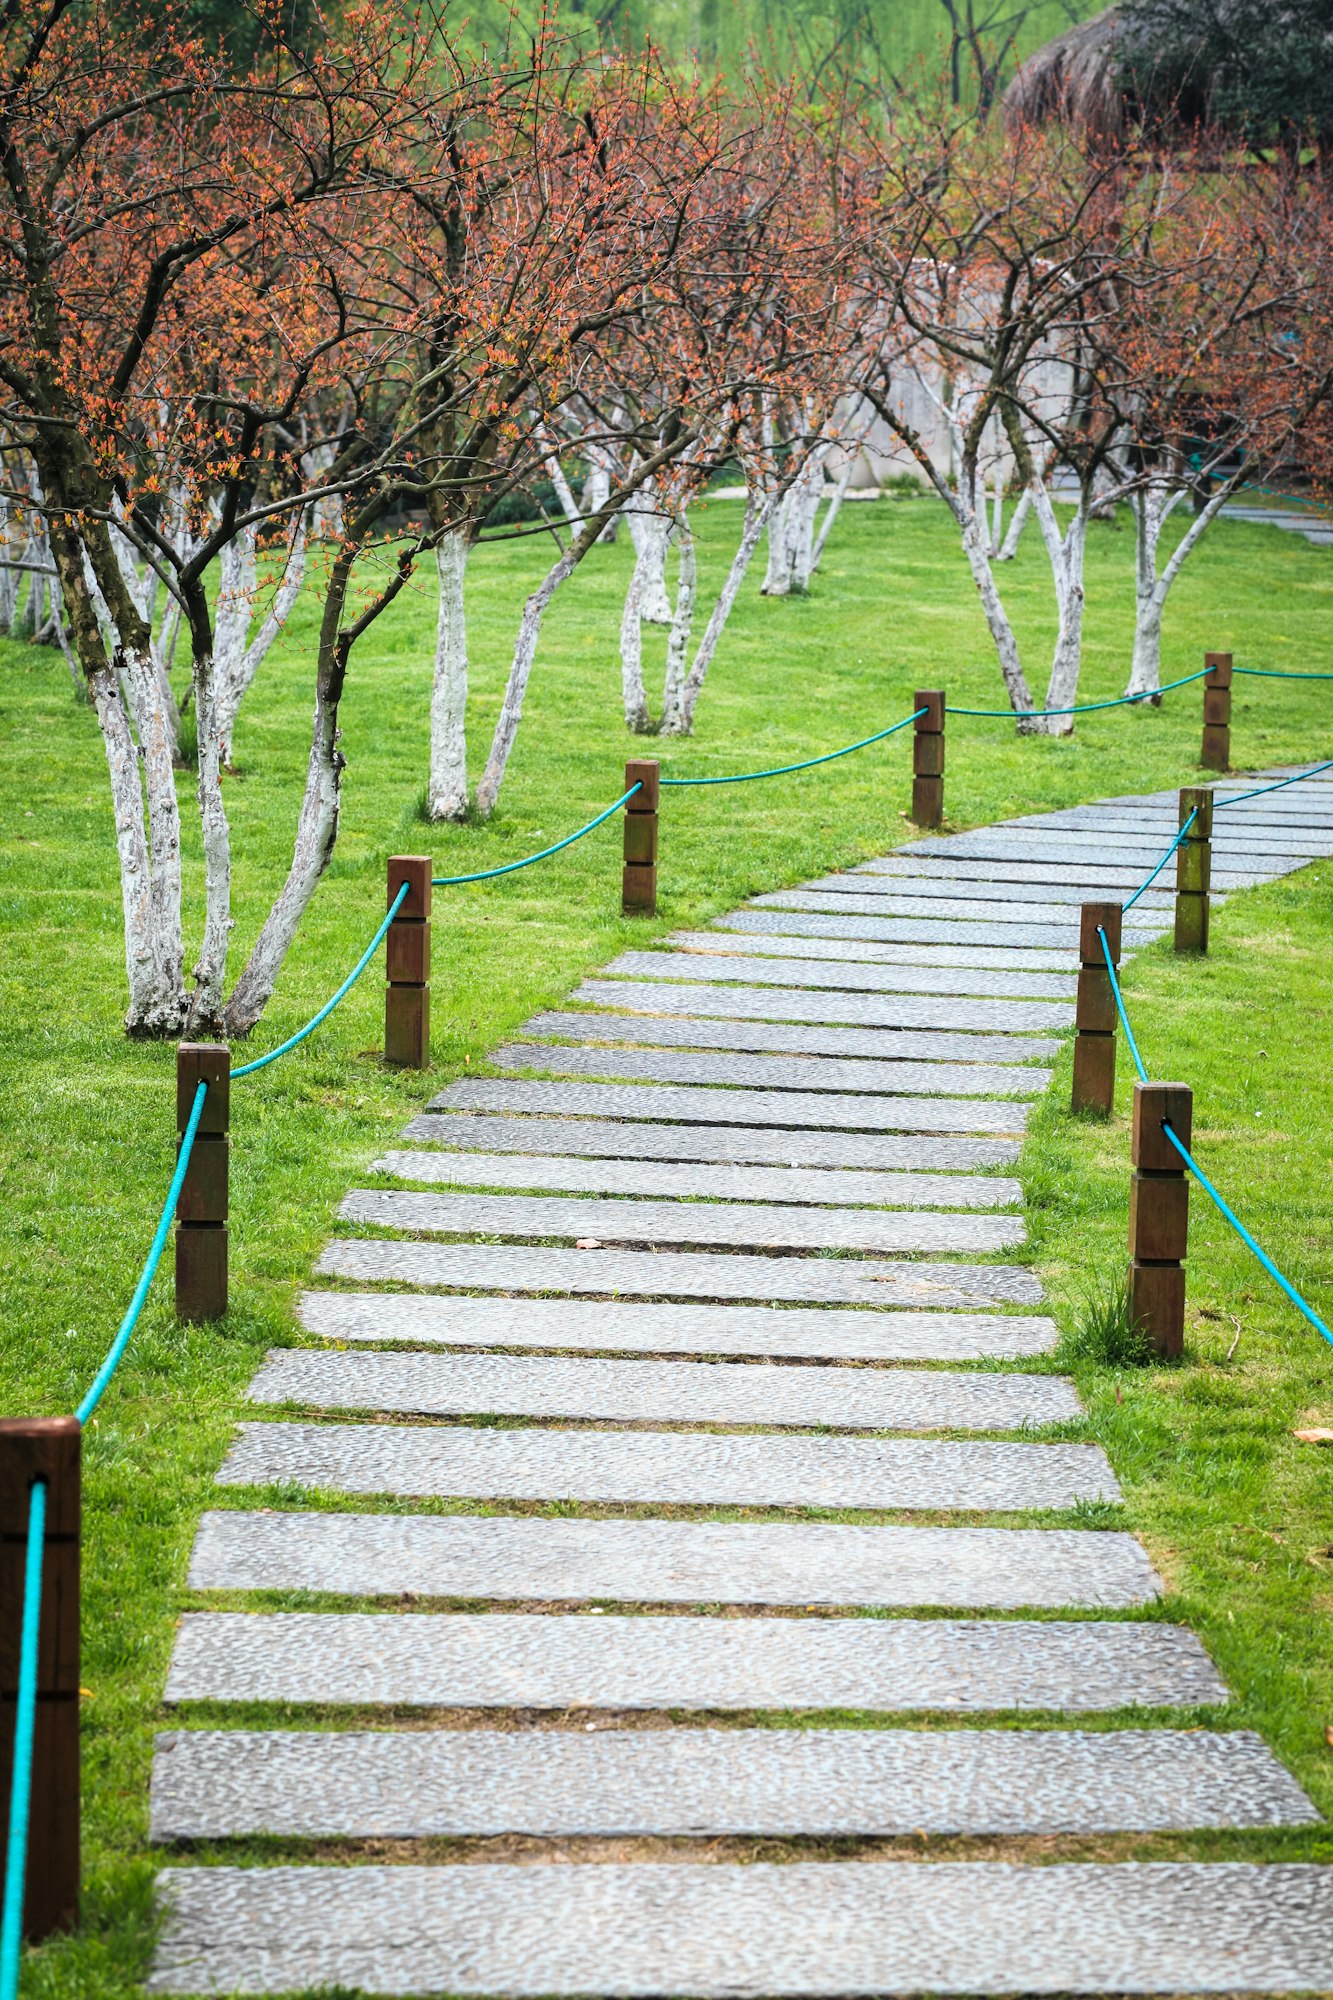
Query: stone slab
{"x":1042,"y":877}
{"x":508,"y":1660}
{"x":1021,"y":943}
{"x":822,"y":1110}
{"x":795,"y":1929}
{"x":741,"y":1225}
{"x":1036,"y":859}
{"x":794,"y":1038}
{"x":775,"y":1072}
{"x":215,"y":1784}
{"x":691,"y":1178}
{"x":1143,"y":838}
{"x":864,"y":900}
{"x":541,"y":1559}
{"x":791,"y":1333}
{"x":863,"y":1010}
{"x":757,"y":1144}
{"x":669,"y":1468}
{"x":665,"y":1274}
{"x":821,"y":937}
{"x":939,"y":889}
{"x":755,"y":969}
{"x":1296,"y":834}
{"x":715,"y":1392}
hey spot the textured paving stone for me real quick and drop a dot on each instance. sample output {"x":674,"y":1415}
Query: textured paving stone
{"x":938,"y":889}
{"x":1239,"y":825}
{"x":753,"y":1143}
{"x":794,"y":1038}
{"x":517,"y":1267}
{"x":1033,"y":857}
{"x":776,"y":1072}
{"x":742,"y":1225}
{"x":686,"y":1177}
{"x":797,"y":1929}
{"x":1142,"y":839}
{"x":211,"y":1784}
{"x":555,"y":1560}
{"x":864,"y":900}
{"x":503,"y":1660}
{"x":669,"y":1468}
{"x":866,"y":1010}
{"x":847,"y":976}
{"x":1042,"y":876}
{"x":821,"y":937}
{"x":717,"y":1392}
{"x":1021,"y":943}
{"x":820,"y":1110}
{"x":793,"y":1333}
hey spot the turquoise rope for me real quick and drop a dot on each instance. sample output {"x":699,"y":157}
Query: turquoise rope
{"x":1120,"y":1008}
{"x":1148,"y":882}
{"x":151,"y":1262}
{"x":1281,"y":785}
{"x":25,"y":1714}
{"x":262,"y":1062}
{"x":808,"y":764}
{"x":1276,"y":674}
{"x":1083,"y":707}
{"x":487,"y":874}
{"x":1245,"y":1236}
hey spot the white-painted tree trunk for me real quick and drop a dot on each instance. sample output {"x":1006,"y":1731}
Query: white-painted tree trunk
{"x":1153,"y":504}
{"x":525,"y":651}
{"x":210,"y":972}
{"x":564,"y":492}
{"x":831,"y":512}
{"x":447,"y":790}
{"x":804,"y":510}
{"x":1017,"y":522}
{"x":682,"y":624}
{"x":237,"y":657}
{"x":634,"y":695}
{"x":1003,"y":637}
{"x":596,"y":492}
{"x":316,"y":833}
{"x":678,"y":719}
{"x":650,"y":532}
{"x":777,"y":571}
{"x":1065,"y":552}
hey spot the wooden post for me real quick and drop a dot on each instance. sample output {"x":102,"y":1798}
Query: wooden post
{"x":1216,"y":752}
{"x":1095,"y":1010}
{"x":201,"y":1212}
{"x":1194,"y":869}
{"x":928,"y":758}
{"x":407,"y":964}
{"x":638,"y":887}
{"x":46,"y":1448}
{"x":1159,"y":1197}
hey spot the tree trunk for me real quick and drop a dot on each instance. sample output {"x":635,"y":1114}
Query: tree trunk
{"x":633,"y":693}
{"x":777,"y":574}
{"x":210,"y":972}
{"x":831,"y":512}
{"x":1065,"y":552}
{"x":1017,"y":523}
{"x":997,"y":619}
{"x":804,"y":504}
{"x":1145,"y":673}
{"x":679,"y":719}
{"x":447,"y":791}
{"x":650,"y":533}
{"x":683,"y":622}
{"x":525,"y":650}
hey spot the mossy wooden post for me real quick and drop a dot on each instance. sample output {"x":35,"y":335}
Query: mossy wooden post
{"x":1194,"y":869}
{"x":1216,"y":752}
{"x":1095,"y":1010}
{"x":49,"y":1449}
{"x":1159,"y":1197}
{"x":201,"y":1212}
{"x":928,"y":758}
{"x":407,"y":964}
{"x":638,"y":886}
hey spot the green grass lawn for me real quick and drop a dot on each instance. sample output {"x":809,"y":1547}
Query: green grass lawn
{"x":1225,"y":1499}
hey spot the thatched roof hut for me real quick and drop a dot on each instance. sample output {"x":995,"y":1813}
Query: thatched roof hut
{"x":1075,"y":79}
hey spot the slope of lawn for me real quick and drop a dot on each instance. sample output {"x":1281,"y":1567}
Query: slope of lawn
{"x":87,"y":1122}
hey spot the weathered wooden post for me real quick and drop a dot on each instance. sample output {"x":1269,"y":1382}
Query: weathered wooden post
{"x":928,"y":758}
{"x":638,"y":888}
{"x":1216,"y":752}
{"x":46,"y":1449}
{"x":1095,"y":1009}
{"x":1159,"y":1197}
{"x":407,"y":964}
{"x":201,"y":1212}
{"x":1194,"y":869}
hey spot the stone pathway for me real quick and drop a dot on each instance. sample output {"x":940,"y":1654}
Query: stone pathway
{"x":671,"y":1270}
